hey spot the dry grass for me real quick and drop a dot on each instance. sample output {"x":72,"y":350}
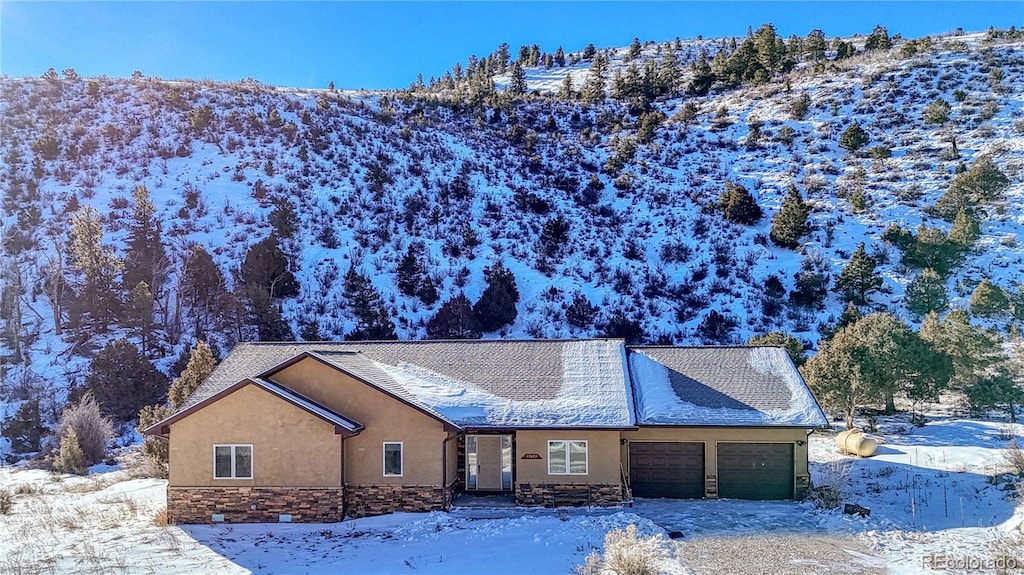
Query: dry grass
{"x":160,"y":519}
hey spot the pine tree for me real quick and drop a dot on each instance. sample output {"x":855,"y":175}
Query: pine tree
{"x":853,"y":138}
{"x":454,"y":320}
{"x":965,"y":230}
{"x":793,"y":346}
{"x":593,"y":90}
{"x":872,"y":361}
{"x":140,"y":306}
{"x":790,"y":224}
{"x":810,"y":284}
{"x":122,"y":380}
{"x":24,"y":430}
{"x":264,"y":277}
{"x":202,"y":290}
{"x":97,"y":303}
{"x":989,"y":300}
{"x":497,"y":305}
{"x":983,"y":182}
{"x":976,"y":355}
{"x":738,"y":205}
{"x":560,"y":57}
{"x":580,"y":312}
{"x":937,"y":112}
{"x":517,"y":83}
{"x":373,"y":322}
{"x":878,"y":39}
{"x":858,"y":278}
{"x":200,"y":365}
{"x":927,"y":293}
{"x":566,"y":90}
{"x":145,"y":257}
{"x":266,"y":267}
{"x":412,"y":278}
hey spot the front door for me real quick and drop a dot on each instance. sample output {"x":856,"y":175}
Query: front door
{"x":488,"y":462}
{"x":489,"y":458}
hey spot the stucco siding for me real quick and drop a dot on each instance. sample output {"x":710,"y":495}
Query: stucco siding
{"x":385,"y":419}
{"x":602,"y":457}
{"x":290,"y":447}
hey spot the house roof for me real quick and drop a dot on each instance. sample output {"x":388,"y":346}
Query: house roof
{"x":720,"y":386}
{"x":342,"y":424}
{"x":479,"y":383}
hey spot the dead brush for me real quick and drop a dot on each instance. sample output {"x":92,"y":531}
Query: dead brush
{"x":6,"y":501}
{"x":1013,"y":456}
{"x":625,"y":553}
{"x":829,"y":495}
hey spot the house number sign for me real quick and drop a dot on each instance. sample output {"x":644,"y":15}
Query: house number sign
{"x":531,"y":456}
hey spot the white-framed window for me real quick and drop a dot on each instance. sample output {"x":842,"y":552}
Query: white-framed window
{"x":567,"y":457}
{"x":232,"y":461}
{"x":393,"y":459}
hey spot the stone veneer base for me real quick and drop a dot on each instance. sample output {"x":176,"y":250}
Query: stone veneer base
{"x":568,"y":495}
{"x":368,"y":500}
{"x":254,"y":504}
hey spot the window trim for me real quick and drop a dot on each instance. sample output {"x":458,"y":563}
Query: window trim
{"x":568,"y":456}
{"x":401,"y":458}
{"x":233,"y":446}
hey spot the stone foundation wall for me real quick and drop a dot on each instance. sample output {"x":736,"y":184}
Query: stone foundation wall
{"x":254,"y":504}
{"x":568,"y":495}
{"x":367,"y":500}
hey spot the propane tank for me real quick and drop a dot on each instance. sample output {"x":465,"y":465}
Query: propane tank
{"x":856,"y":443}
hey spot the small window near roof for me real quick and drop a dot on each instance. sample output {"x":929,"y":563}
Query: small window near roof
{"x":232,"y":462}
{"x":567,"y":457}
{"x":392,"y":458}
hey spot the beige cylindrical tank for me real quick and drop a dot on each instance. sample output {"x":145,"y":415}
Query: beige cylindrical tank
{"x":856,"y":443}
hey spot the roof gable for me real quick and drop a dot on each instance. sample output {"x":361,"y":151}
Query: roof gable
{"x":342,"y":425}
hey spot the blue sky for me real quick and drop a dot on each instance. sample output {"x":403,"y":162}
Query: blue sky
{"x":386,"y":44}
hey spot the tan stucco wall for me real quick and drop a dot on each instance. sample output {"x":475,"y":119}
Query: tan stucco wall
{"x":710,"y":436}
{"x":602,"y":453}
{"x":385,"y":419}
{"x":291,"y":447}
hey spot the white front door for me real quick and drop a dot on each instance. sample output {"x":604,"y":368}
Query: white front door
{"x":488,"y":462}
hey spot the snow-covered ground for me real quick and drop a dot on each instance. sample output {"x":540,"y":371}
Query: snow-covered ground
{"x":930,"y":490}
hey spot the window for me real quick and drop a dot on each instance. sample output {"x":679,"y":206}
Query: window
{"x":392,"y":459}
{"x":232,"y":462}
{"x":567,"y":457}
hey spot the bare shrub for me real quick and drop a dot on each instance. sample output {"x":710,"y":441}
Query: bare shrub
{"x":1013,"y":456}
{"x":93,"y":430}
{"x":6,"y":501}
{"x":829,"y":495}
{"x":625,"y":553}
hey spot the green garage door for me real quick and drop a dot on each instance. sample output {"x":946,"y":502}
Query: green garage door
{"x":666,"y":469}
{"x":755,"y":470}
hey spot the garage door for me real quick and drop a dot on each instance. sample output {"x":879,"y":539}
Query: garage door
{"x":666,"y":469}
{"x":755,"y":470}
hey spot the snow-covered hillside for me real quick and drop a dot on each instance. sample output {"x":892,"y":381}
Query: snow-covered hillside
{"x":572,"y":198}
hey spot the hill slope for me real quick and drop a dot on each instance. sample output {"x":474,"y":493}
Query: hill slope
{"x":605,"y":200}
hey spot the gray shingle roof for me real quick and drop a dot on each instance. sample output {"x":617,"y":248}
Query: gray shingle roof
{"x":497,"y":383}
{"x":732,"y":386}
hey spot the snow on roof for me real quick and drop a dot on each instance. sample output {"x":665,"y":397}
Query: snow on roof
{"x":590,"y":391}
{"x":726,"y":386}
